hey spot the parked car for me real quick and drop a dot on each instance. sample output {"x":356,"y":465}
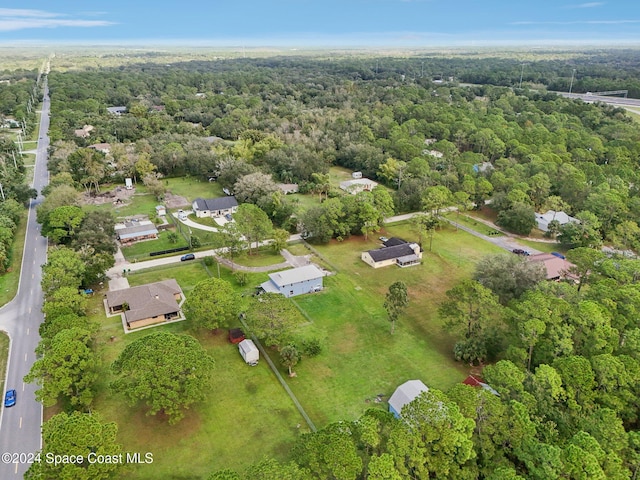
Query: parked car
{"x":188,"y":256}
{"x":519,"y":251}
{"x":559,"y":255}
{"x":228,"y":217}
{"x":383,"y":239}
{"x":10,"y":398}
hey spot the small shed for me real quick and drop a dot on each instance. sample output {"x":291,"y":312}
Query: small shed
{"x":161,"y":210}
{"x":249,"y":352}
{"x":405,"y":393}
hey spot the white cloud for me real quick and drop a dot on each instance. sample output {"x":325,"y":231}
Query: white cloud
{"x":12,"y":19}
{"x":586,"y":5}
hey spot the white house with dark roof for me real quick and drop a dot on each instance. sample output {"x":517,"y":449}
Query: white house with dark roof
{"x":297,"y":281}
{"x":215,"y":207}
{"x":146,"y":305}
{"x":395,"y":252}
{"x":119,"y":110}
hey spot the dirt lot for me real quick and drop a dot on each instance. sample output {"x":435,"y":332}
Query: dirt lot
{"x":121,"y":196}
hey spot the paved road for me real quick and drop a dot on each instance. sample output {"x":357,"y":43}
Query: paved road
{"x":20,"y":425}
{"x":617,"y":101}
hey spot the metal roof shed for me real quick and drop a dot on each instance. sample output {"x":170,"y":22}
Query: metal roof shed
{"x":249,"y":352}
{"x":405,"y":393}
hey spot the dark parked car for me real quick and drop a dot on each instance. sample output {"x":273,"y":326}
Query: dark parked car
{"x":519,"y":251}
{"x":10,"y":398}
{"x":559,"y":255}
{"x":188,"y":256}
{"x":228,"y":217}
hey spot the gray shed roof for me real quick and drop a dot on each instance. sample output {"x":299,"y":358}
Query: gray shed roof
{"x":220,"y":203}
{"x":136,"y":230}
{"x":406,"y":393}
{"x":387,"y":253}
{"x":296,"y":275}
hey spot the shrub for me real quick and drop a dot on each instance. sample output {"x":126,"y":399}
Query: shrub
{"x":311,"y":347}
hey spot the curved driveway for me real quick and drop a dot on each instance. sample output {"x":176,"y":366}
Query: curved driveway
{"x":20,"y":425}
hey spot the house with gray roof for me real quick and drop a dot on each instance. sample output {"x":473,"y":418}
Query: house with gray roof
{"x":215,"y":207}
{"x":135,"y":231}
{"x":395,"y":252}
{"x":405,"y":393}
{"x":297,"y":281}
{"x":146,"y":305}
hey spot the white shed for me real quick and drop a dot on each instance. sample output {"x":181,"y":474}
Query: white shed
{"x":405,"y":393}
{"x":249,"y":352}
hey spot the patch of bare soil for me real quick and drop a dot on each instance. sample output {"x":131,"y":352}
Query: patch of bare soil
{"x":175,"y":201}
{"x":116,"y":196}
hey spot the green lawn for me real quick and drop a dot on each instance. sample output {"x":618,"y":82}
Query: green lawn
{"x":544,"y":246}
{"x":141,"y":250}
{"x":192,"y":188}
{"x":472,"y":223}
{"x":361,"y":358}
{"x":4,"y":357}
{"x":10,"y":280}
{"x":247,"y":414}
{"x":263,"y":257}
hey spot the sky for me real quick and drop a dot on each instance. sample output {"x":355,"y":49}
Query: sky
{"x":299,"y":23}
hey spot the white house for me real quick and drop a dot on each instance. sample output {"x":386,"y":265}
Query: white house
{"x":215,"y":207}
{"x":544,"y":219}
{"x":358,"y":185}
{"x":395,"y":252}
{"x":405,"y":393}
{"x":297,"y":281}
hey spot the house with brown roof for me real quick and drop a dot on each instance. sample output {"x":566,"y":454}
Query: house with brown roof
{"x":145,"y":305}
{"x":557,"y":268}
{"x":83,"y":132}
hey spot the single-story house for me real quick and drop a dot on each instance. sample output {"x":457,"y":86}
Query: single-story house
{"x":543,"y":219}
{"x":477,"y":382}
{"x":83,"y":132}
{"x":215,"y":207}
{"x":395,"y":252}
{"x":557,"y":268}
{"x":287,"y":188}
{"x":358,"y":185}
{"x":101,"y":147}
{"x":297,"y":281}
{"x":135,"y":231}
{"x":161,"y":210}
{"x":405,"y":393}
{"x":119,"y":110}
{"x":146,"y":304}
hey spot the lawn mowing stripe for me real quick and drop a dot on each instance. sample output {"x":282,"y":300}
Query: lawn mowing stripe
{"x":281,"y":380}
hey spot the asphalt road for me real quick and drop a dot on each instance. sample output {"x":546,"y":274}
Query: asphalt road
{"x":20,"y":425}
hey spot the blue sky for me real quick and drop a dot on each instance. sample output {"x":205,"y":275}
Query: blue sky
{"x":297,"y":23}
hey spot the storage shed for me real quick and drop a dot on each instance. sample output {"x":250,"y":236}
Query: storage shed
{"x":405,"y":393}
{"x":249,"y":352}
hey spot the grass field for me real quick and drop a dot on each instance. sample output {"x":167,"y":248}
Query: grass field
{"x":472,"y":223}
{"x":142,"y":249}
{"x":248,"y":414}
{"x":4,"y":358}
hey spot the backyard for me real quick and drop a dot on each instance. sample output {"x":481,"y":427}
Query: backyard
{"x":248,"y":410}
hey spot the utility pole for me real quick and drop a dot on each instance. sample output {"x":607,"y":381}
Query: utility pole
{"x":2,"y":192}
{"x":521,"y":73}
{"x":571,"y":84}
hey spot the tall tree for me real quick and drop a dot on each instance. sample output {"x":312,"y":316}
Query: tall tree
{"x":253,"y":223}
{"x":68,"y":366}
{"x":79,"y":435}
{"x":168,"y":372}
{"x":396,"y":300}
{"x":271,"y":317}
{"x":213,"y":303}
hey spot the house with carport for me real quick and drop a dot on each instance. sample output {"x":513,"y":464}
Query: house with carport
{"x":145,"y":305}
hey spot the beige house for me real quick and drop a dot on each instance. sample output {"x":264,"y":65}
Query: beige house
{"x":399,"y":252}
{"x":146,"y":305}
{"x":358,"y":185}
{"x":83,"y":132}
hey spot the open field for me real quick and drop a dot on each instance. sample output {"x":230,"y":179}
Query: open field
{"x":247,"y":410}
{"x":472,"y":223}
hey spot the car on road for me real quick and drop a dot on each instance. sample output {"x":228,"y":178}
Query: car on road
{"x":188,"y":256}
{"x":559,"y":255}
{"x":10,"y":398}
{"x":519,"y":251}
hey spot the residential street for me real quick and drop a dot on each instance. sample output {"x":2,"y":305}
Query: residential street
{"x":20,"y":425}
